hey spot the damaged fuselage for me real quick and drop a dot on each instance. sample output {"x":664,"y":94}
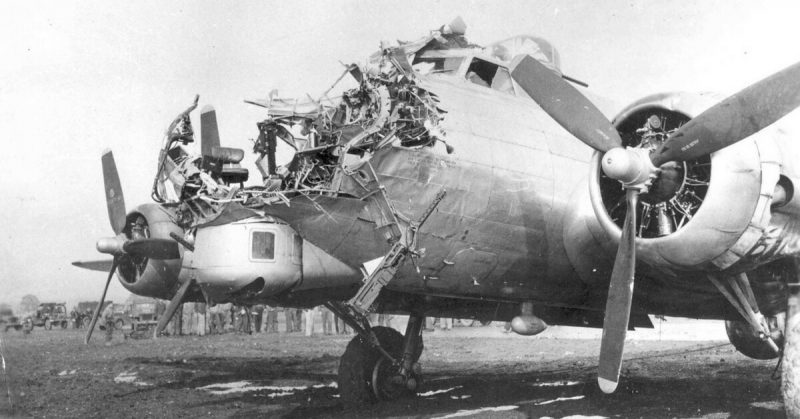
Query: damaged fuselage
{"x":516,"y":222}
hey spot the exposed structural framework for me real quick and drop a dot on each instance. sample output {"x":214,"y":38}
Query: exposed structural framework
{"x":334,"y":139}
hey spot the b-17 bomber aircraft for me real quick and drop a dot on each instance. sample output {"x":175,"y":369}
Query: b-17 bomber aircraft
{"x":484,"y":184}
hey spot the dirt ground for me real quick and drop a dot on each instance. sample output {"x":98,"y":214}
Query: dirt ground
{"x":468,"y":371}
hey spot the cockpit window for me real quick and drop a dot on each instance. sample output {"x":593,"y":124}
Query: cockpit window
{"x":437,"y":65}
{"x":487,"y":74}
{"x":262,"y":245}
{"x":502,"y":81}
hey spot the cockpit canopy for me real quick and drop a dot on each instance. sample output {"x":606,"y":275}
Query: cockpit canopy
{"x":534,"y":46}
{"x":484,"y":66}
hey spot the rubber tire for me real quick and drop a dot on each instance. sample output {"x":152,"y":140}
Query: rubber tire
{"x":48,"y":325}
{"x":358,"y":361}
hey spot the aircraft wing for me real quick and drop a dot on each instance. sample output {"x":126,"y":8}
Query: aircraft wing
{"x":94,"y":265}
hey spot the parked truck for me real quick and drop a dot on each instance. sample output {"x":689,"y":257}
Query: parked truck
{"x":8,"y":320}
{"x":50,"y":314}
{"x":144,"y":317}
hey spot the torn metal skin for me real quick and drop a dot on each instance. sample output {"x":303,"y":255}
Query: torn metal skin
{"x":367,"y":162}
{"x":338,"y":138}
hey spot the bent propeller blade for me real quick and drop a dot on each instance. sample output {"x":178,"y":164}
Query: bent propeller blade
{"x":114,"y":199}
{"x":209,"y":132}
{"x":100,"y":305}
{"x":618,"y":305}
{"x":735,"y":118}
{"x":564,"y":103}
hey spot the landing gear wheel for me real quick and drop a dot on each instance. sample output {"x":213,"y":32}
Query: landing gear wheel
{"x":364,"y":373}
{"x":388,"y":384}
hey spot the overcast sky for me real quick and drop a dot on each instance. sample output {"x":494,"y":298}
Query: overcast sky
{"x":79,"y":77}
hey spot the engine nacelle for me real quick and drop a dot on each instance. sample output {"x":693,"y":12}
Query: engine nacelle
{"x":705,"y":214}
{"x":142,"y":275}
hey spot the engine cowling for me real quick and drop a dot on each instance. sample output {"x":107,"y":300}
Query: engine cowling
{"x":705,"y":214}
{"x":141,"y":275}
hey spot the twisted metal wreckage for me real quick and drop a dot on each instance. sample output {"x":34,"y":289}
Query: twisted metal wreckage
{"x":334,"y":140}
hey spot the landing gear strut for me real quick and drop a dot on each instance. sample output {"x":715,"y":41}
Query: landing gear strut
{"x":379,"y":363}
{"x":738,"y":292}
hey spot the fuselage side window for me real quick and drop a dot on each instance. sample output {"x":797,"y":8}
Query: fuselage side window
{"x":262,"y":245}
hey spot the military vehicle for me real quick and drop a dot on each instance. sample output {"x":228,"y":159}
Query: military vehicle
{"x":8,"y":320}
{"x":50,"y":314}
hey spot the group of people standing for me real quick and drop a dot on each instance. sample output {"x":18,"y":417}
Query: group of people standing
{"x":248,"y":319}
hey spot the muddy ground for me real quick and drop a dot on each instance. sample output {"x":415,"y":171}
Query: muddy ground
{"x":469,"y":372}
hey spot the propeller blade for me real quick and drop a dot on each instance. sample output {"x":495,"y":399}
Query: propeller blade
{"x":618,"y":305}
{"x":160,"y":249}
{"x":735,"y":118}
{"x":176,"y":300}
{"x":209,"y":133}
{"x":565,"y":103}
{"x":102,"y":300}
{"x":95,"y":265}
{"x":114,"y":199}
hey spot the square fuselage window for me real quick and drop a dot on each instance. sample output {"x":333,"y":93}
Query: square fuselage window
{"x":263,"y":245}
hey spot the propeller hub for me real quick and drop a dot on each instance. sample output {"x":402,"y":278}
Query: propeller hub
{"x":110,"y":245}
{"x":630,"y":166}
